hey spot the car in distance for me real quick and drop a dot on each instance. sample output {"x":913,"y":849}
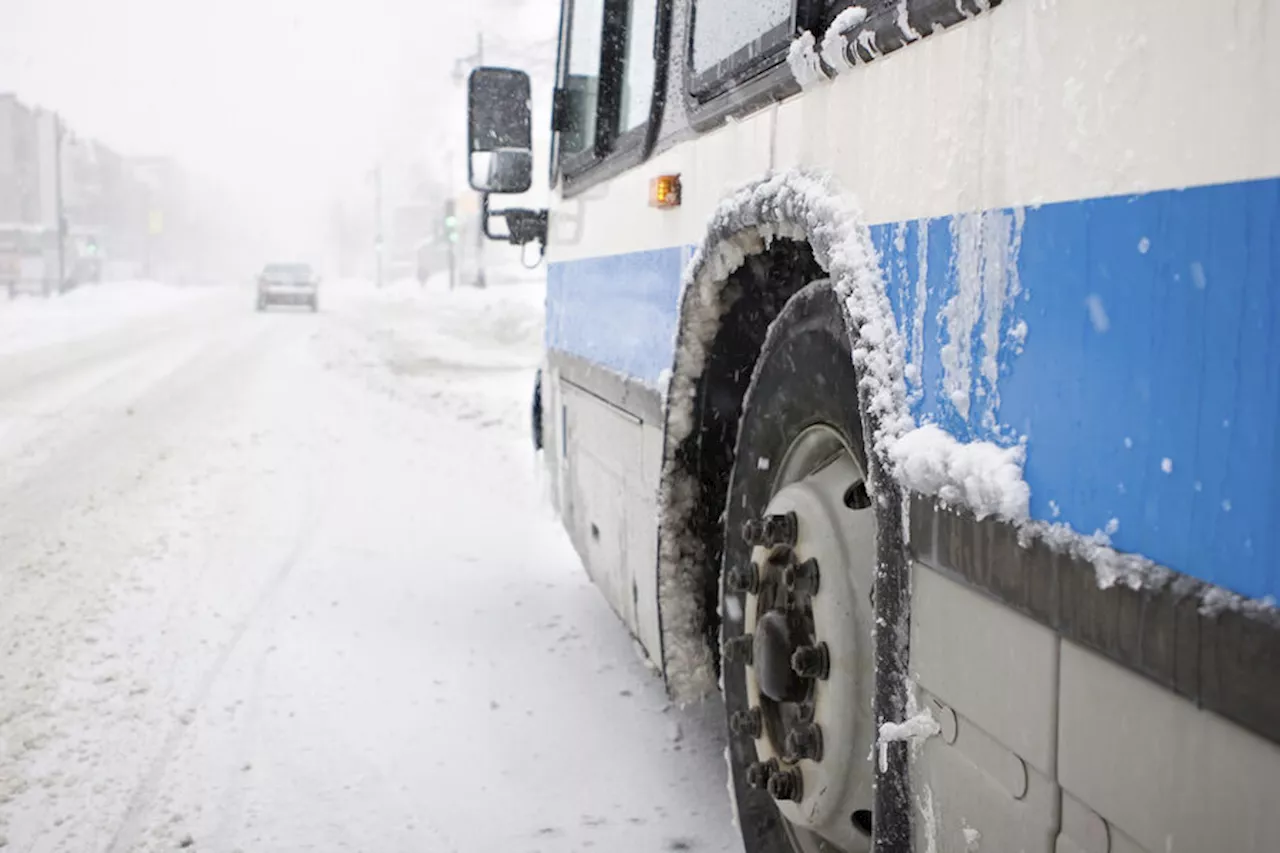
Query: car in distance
{"x":288,"y":284}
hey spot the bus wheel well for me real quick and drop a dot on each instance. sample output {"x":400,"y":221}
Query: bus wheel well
{"x":754,"y":295}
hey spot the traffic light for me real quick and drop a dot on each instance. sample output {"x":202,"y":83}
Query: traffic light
{"x":450,"y":221}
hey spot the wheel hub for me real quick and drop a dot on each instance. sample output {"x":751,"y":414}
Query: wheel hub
{"x":809,"y":670}
{"x":777,"y":636}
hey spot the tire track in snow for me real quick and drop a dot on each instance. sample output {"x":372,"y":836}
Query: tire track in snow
{"x":145,"y":792}
{"x":58,"y":593}
{"x":231,"y":804}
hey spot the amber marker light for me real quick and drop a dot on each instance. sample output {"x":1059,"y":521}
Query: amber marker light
{"x":664,"y":191}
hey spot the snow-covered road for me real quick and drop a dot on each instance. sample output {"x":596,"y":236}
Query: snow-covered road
{"x":287,"y":582}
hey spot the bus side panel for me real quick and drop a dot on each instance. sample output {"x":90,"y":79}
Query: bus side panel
{"x":600,"y":476}
{"x":614,"y":277}
{"x":1080,"y":235}
{"x":1098,"y":261}
{"x":610,"y":322}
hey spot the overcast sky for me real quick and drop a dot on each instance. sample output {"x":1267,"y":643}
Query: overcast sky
{"x":282,"y":100}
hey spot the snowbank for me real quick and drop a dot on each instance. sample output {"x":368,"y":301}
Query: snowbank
{"x":500,"y":326}
{"x":30,"y":322}
{"x":470,"y":351}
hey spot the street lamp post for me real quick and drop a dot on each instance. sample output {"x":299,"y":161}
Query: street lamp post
{"x":377,"y":223}
{"x":59,"y":210}
{"x":475,"y":60}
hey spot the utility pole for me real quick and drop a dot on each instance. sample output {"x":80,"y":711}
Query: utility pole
{"x":150,"y":236}
{"x":451,"y":235}
{"x":475,"y":60}
{"x":377,"y":221}
{"x":58,"y":205}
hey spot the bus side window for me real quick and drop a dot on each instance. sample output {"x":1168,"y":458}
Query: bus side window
{"x":637,"y":81}
{"x":724,"y":29}
{"x":583,"y":80}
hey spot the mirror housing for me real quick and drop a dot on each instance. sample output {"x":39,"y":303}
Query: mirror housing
{"x":499,"y":130}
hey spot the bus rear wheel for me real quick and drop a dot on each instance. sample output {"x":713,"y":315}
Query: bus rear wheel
{"x":798,"y":564}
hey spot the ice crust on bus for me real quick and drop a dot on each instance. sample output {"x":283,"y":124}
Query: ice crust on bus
{"x":833,"y":43}
{"x":914,"y":730}
{"x":806,"y":58}
{"x":803,"y":61}
{"x":985,"y":246}
{"x":909,"y":32}
{"x":979,"y":475}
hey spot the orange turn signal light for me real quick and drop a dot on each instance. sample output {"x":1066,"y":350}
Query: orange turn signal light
{"x":664,"y":191}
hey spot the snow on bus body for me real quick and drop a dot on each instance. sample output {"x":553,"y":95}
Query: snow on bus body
{"x":1101,"y":315}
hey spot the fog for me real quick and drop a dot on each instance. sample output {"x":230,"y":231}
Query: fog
{"x":281,"y":108}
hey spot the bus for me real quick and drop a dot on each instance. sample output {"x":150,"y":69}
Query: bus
{"x":912,"y":381}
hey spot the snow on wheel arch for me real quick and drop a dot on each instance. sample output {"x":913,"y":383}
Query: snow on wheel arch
{"x":798,"y":205}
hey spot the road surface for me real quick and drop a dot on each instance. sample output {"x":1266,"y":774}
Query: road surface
{"x":285,"y":582}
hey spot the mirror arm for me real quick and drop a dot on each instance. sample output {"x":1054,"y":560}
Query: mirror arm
{"x":523,"y":224}
{"x":485,"y":213}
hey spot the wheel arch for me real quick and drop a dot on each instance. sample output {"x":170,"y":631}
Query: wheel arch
{"x":762,"y":244}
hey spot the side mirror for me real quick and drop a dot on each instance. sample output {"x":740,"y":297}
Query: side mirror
{"x":499,"y":131}
{"x":507,"y":170}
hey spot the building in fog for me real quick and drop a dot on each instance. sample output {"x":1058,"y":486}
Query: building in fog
{"x":19,"y":164}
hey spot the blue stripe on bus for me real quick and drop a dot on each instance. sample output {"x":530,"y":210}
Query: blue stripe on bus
{"x":618,"y":310}
{"x":1148,"y":386}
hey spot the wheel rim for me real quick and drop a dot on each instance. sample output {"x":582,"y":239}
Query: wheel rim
{"x":813,"y":725}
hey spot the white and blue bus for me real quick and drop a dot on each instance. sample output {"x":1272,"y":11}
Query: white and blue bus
{"x":913,"y":380}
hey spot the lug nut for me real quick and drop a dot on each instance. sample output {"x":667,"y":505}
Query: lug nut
{"x":760,"y":772}
{"x":740,"y":649}
{"x":743,"y":579}
{"x":785,"y":785}
{"x":804,"y":741}
{"x":803,"y":576}
{"x":771,"y":531}
{"x":746,"y":722}
{"x":811,"y":661}
{"x":780,"y":530}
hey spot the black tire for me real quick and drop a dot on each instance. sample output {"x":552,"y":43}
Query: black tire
{"x":804,"y":376}
{"x":536,"y":412}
